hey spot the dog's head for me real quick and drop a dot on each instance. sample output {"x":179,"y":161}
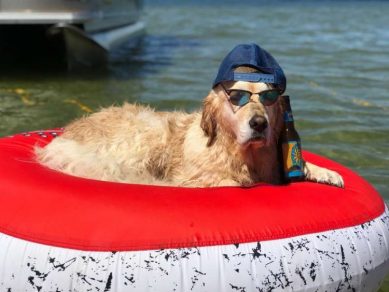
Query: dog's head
{"x":252,"y":123}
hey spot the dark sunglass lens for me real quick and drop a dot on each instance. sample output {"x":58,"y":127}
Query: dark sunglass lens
{"x":239,"y":98}
{"x":269,"y":97}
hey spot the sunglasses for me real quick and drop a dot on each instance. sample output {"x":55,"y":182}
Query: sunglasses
{"x":240,"y":97}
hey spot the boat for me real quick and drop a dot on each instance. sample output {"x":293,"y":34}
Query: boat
{"x":74,"y":33}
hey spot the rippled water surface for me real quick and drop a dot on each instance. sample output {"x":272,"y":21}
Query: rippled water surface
{"x":335,"y":55}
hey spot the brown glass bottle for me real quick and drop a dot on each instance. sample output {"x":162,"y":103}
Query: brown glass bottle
{"x":291,"y":146}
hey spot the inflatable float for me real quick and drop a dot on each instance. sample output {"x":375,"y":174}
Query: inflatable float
{"x":65,"y":233}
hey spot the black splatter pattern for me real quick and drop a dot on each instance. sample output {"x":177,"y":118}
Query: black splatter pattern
{"x":351,"y":259}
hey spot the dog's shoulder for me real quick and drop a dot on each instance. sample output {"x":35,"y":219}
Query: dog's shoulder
{"x":110,"y":122}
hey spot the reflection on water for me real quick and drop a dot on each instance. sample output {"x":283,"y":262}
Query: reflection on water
{"x":334,"y":54}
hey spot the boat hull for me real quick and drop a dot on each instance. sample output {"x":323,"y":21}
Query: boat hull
{"x":76,"y":34}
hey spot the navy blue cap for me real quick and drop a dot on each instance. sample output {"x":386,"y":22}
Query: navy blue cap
{"x":251,"y":55}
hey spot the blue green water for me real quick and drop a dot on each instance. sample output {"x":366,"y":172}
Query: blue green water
{"x":335,"y":55}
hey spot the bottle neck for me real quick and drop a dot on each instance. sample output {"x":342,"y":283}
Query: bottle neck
{"x":286,"y":100}
{"x":288,"y":115}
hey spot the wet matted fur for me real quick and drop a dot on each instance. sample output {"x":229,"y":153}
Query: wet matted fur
{"x":213,"y":147}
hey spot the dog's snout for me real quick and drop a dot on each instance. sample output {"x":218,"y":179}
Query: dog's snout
{"x":258,"y":123}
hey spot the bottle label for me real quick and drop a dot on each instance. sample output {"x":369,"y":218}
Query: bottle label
{"x":288,"y":116}
{"x":293,"y":162}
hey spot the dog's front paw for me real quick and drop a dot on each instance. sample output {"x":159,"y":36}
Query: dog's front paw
{"x":322,"y":175}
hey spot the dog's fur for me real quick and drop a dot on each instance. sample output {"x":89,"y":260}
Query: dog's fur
{"x":215,"y":147}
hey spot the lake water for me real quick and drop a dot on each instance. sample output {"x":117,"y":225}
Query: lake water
{"x":335,"y":55}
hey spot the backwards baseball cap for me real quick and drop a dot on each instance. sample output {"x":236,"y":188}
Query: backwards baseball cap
{"x":251,"y":55}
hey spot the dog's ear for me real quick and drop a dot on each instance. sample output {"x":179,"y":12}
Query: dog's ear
{"x":208,"y":120}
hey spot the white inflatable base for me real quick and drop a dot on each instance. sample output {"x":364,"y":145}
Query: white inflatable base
{"x":348,"y":259}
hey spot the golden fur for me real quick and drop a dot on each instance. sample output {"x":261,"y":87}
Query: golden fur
{"x":135,"y":144}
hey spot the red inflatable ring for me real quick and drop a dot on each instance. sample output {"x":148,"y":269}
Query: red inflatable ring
{"x":55,"y":212}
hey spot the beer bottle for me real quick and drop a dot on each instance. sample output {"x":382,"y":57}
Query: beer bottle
{"x":291,"y":146}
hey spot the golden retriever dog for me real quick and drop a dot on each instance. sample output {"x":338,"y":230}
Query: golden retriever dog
{"x":222,"y":145}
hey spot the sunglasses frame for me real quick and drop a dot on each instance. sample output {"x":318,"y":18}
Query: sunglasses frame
{"x":260,"y":94}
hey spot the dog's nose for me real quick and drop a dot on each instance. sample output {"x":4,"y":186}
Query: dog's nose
{"x":258,"y":123}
